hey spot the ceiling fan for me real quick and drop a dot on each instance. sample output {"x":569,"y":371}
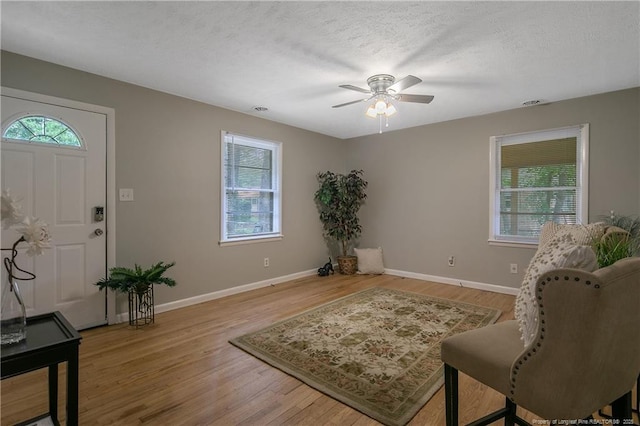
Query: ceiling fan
{"x":385,"y":87}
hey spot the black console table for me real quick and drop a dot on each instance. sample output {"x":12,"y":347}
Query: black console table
{"x":50,"y":341}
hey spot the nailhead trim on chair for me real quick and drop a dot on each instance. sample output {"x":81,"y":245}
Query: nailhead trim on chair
{"x":540,"y":338}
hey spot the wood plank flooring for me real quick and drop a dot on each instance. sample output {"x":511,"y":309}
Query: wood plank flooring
{"x":182,"y":370}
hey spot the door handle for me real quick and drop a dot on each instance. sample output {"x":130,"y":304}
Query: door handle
{"x":98,"y":232}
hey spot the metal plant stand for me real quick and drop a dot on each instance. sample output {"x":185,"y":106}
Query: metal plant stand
{"x":141,"y":309}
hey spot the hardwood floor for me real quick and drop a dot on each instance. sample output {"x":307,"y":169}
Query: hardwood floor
{"x":182,"y":370}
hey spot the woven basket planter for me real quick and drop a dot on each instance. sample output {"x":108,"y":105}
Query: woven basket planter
{"x":347,"y":265}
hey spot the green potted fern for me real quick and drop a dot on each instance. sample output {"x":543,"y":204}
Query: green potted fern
{"x":621,"y":241}
{"x":137,"y":283}
{"x":338,"y":199}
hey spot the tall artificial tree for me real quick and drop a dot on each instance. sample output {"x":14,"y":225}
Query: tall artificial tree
{"x":339,"y":198}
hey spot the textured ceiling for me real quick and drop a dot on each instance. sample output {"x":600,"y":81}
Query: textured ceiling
{"x":474,"y":57}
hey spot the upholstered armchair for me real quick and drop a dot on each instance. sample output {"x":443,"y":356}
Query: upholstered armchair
{"x":584,"y":355}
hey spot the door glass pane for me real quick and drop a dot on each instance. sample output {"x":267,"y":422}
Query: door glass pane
{"x":43,"y":130}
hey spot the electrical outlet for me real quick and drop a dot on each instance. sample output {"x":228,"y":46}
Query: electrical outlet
{"x":451,"y":261}
{"x":266,"y":262}
{"x":513,"y":268}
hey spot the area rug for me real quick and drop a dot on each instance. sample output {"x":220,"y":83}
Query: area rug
{"x":377,"y":350}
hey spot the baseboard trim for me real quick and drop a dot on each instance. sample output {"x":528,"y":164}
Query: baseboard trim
{"x":170,"y":306}
{"x":123,"y":317}
{"x":453,"y":281}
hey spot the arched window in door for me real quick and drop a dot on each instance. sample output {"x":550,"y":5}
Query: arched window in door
{"x":42,"y":129}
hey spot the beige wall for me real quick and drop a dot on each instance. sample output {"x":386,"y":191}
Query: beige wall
{"x":168,"y":151}
{"x":428,"y":194}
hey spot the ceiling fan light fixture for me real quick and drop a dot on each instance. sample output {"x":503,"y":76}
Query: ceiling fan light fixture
{"x":384,"y":89}
{"x":381,"y":108}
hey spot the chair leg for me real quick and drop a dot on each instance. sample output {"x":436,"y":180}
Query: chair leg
{"x":451,"y":394}
{"x":637,"y":410}
{"x":451,"y":405}
{"x":621,"y":409}
{"x":510,"y":415}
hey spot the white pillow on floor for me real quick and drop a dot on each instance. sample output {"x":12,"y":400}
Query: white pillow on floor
{"x":370,"y":260}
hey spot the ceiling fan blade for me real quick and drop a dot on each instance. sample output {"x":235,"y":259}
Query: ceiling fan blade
{"x":356,"y":88}
{"x":404,"y":83}
{"x":350,"y":103}
{"x":422,"y":99}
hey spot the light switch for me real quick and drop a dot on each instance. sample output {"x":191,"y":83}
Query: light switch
{"x":126,"y":194}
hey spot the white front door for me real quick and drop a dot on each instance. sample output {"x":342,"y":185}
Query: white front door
{"x":62,"y":185}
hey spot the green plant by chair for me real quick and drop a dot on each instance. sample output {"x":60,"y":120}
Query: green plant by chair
{"x":623,"y":242}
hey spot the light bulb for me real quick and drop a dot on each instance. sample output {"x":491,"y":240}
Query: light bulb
{"x":391,"y":110}
{"x":380,"y":106}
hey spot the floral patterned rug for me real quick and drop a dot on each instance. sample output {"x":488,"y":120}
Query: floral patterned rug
{"x":377,"y":350}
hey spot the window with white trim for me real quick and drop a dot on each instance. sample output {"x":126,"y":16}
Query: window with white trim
{"x":537,"y":177}
{"x":251,"y":188}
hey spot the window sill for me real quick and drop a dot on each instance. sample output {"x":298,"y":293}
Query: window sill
{"x":515,"y":244}
{"x":251,"y":240}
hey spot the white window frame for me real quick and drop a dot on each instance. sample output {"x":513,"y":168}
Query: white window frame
{"x":276,"y":158}
{"x":581,"y":132}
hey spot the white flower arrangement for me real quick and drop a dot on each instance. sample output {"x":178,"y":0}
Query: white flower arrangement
{"x":11,"y":210}
{"x":32,"y":230}
{"x":36,"y":233}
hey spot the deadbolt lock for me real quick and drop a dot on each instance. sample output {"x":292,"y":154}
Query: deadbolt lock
{"x":98,"y":214}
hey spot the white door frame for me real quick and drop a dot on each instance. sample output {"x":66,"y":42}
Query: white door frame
{"x":111,"y":172}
